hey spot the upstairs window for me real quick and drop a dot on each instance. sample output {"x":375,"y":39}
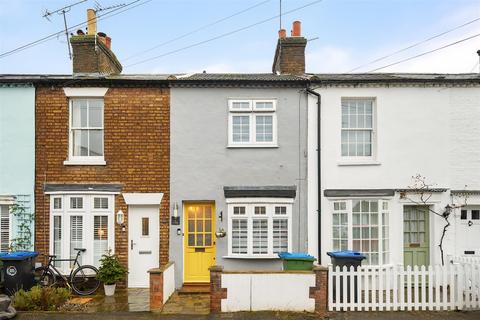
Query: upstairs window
{"x":86,"y":129}
{"x":357,"y":127}
{"x":252,"y":123}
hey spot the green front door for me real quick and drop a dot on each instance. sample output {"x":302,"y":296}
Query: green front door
{"x":415,"y":236}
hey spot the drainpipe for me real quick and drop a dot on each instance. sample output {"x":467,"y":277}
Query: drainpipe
{"x":319,"y":172}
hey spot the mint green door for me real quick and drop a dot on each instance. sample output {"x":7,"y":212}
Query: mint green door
{"x":415,"y":236}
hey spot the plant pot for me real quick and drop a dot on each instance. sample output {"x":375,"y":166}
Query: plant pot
{"x":109,"y":289}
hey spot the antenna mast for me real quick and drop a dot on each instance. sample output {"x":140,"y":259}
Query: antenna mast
{"x":280,"y":15}
{"x":63,"y":11}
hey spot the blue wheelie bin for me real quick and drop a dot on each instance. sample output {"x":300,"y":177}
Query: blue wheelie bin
{"x":349,"y":259}
{"x":18,"y":270}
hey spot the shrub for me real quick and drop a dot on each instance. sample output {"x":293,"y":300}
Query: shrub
{"x":111,"y":271}
{"x":41,"y":299}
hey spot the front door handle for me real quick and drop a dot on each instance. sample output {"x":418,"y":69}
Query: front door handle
{"x":131,"y":244}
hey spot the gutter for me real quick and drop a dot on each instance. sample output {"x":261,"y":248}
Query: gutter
{"x":319,"y":173}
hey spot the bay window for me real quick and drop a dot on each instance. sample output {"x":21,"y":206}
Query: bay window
{"x":259,"y":228}
{"x":362,"y":225}
{"x":81,"y":221}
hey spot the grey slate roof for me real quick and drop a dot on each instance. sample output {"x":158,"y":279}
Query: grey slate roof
{"x":359,"y":192}
{"x":82,"y":187}
{"x":319,"y":78}
{"x":393,"y":77}
{"x":259,"y":192}
{"x":240,"y":77}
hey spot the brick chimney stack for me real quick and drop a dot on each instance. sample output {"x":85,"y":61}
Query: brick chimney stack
{"x":290,"y":54}
{"x":92,"y":54}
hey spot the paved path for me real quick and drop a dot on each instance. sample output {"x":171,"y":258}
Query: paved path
{"x":254,"y":316}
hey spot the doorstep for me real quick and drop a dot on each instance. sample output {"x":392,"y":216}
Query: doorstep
{"x":195,"y":288}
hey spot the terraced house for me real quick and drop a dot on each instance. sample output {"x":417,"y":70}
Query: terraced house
{"x":377,"y":132}
{"x":239,"y":167}
{"x":102,"y":161}
{"x":17,"y":165}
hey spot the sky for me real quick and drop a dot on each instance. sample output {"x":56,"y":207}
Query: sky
{"x":343,"y":34}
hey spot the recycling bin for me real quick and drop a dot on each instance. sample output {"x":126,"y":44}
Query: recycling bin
{"x":18,"y":270}
{"x":296,"y":261}
{"x":349,"y":259}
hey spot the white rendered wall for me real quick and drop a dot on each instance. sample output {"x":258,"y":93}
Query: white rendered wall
{"x":168,"y":282}
{"x":432,"y":131}
{"x":312,"y":181}
{"x":268,"y":291}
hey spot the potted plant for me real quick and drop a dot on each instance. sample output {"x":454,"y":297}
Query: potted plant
{"x":110,"y":272}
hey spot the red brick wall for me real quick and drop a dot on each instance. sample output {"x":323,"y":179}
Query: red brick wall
{"x":91,"y":55}
{"x":136,"y":148}
{"x":290,"y":56}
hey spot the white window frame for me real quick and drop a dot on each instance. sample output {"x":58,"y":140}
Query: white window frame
{"x":10,"y":223}
{"x":250,"y":204}
{"x":252,"y":112}
{"x":88,"y":226}
{"x":349,"y":210}
{"x":360,"y":159}
{"x":84,"y":93}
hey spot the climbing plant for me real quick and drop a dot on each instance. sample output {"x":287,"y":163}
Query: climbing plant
{"x":24,"y":219}
{"x":420,"y":193}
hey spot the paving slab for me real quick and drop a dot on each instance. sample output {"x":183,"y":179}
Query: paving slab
{"x":198,"y":304}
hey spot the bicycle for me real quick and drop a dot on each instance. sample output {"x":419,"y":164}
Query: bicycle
{"x":82,"y":280}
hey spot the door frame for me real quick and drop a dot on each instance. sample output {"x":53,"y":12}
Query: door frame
{"x":156,"y":239}
{"x":186,"y":203}
{"x":428,"y":235}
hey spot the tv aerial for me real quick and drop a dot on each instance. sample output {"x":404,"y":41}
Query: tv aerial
{"x":63,"y":11}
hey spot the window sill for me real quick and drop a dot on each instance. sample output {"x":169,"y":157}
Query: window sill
{"x":84,"y":162}
{"x":358,"y":163}
{"x":275,"y":257}
{"x":246,"y":146}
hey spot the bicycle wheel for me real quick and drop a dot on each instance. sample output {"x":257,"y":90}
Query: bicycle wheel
{"x":44,"y":277}
{"x":84,"y":280}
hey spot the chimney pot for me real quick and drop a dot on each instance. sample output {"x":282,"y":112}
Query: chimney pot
{"x":108,"y":42}
{"x":282,"y":34}
{"x":91,"y":22}
{"x":296,"y":29}
{"x":102,"y":37}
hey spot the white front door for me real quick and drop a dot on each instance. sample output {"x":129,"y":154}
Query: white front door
{"x":468,"y":229}
{"x":143,"y":243}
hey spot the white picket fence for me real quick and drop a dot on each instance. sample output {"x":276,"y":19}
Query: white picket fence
{"x":455,"y":286}
{"x":464,"y":260}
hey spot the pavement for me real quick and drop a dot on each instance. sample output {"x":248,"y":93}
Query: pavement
{"x":254,"y":316}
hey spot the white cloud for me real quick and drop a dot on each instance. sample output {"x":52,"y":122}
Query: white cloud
{"x":327,"y":59}
{"x":460,"y":58}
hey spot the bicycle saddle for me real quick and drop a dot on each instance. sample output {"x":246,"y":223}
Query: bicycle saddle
{"x":80,"y":249}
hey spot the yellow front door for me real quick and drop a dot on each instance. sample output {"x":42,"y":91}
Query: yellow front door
{"x":199,"y":241}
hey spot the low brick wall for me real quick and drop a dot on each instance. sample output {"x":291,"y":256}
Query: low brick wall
{"x":232,"y":291}
{"x":162,"y":285}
